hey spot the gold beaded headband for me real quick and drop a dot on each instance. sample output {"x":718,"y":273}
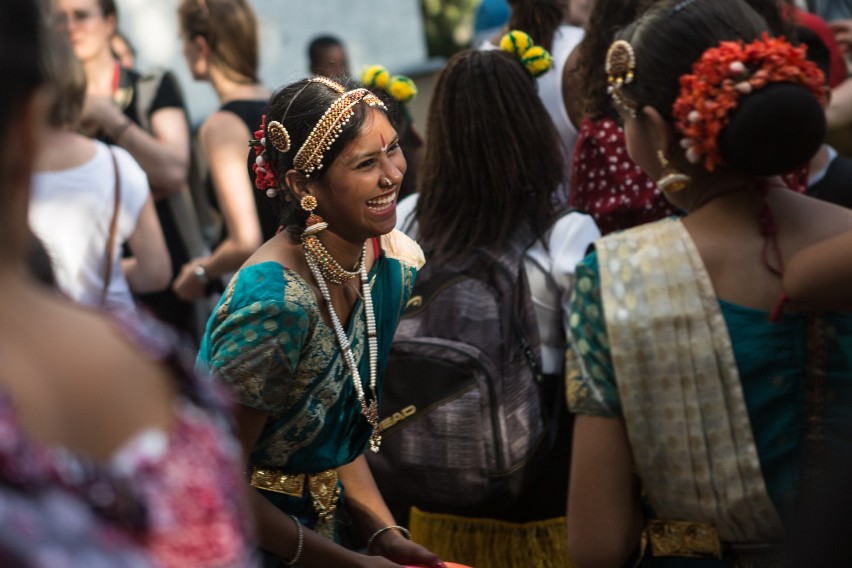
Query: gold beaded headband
{"x":620,"y":71}
{"x":309,"y":157}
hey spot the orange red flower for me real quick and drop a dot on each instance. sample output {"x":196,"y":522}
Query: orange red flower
{"x":728,"y":72}
{"x":264,"y":171}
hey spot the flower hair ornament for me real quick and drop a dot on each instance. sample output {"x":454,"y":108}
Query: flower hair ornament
{"x":724,"y":74}
{"x":265,"y":175}
{"x":535,"y":59}
{"x":620,"y":70}
{"x":401,"y":88}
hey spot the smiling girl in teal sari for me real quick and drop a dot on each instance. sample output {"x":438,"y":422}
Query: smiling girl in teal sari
{"x":303,"y":341}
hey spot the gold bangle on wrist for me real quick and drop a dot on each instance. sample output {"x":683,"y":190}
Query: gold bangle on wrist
{"x":383,"y":530}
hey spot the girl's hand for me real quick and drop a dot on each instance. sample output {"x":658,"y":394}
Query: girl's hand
{"x":188,"y":286}
{"x":394,"y":546}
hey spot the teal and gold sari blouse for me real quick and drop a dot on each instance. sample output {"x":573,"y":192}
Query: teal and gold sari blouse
{"x":267,"y":340}
{"x":773,"y":361}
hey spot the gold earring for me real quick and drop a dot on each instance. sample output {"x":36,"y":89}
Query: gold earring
{"x":315,"y":223}
{"x":672,"y":181}
{"x":309,"y":203}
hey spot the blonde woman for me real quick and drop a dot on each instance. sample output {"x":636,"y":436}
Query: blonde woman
{"x":221,"y":47}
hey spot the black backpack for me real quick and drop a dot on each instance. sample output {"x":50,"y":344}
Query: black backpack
{"x":467,"y":417}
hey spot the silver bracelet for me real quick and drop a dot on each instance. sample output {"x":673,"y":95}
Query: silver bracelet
{"x":300,"y":543}
{"x":383,"y":530}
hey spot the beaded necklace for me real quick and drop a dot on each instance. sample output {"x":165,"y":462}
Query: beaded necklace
{"x":369,"y":411}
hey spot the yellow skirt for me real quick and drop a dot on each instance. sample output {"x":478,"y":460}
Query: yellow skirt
{"x":486,"y":543}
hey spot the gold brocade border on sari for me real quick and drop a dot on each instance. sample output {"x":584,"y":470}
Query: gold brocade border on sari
{"x":323,"y":489}
{"x":682,"y":538}
{"x":690,"y":539}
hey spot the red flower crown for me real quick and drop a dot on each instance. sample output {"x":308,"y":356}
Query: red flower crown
{"x":725,"y":73}
{"x":264,"y":170}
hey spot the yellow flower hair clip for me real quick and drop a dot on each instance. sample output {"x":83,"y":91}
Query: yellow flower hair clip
{"x":400,"y":87}
{"x":534,"y":58}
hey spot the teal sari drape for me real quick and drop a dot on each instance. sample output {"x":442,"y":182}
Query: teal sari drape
{"x":268,"y":342}
{"x":773,"y":359}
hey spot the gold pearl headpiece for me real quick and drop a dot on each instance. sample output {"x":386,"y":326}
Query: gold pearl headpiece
{"x":620,"y":70}
{"x":279,"y":136}
{"x":309,"y":158}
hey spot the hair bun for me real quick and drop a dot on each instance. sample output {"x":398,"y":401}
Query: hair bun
{"x":773,"y":131}
{"x":534,"y":58}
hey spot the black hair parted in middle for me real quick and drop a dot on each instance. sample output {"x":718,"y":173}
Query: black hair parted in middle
{"x":299,"y":106}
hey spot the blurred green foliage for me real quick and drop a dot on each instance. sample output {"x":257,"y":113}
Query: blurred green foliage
{"x":448,"y":25}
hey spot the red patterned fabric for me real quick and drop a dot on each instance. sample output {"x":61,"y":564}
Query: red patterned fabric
{"x":606,"y":184}
{"x":838,"y":73}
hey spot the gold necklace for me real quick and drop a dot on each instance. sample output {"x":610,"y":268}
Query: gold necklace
{"x":330,"y":268}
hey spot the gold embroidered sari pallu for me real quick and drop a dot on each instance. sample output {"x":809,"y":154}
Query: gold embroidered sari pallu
{"x":323,"y":487}
{"x":682,"y":400}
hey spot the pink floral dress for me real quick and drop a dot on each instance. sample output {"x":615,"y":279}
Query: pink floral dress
{"x":168,"y":499}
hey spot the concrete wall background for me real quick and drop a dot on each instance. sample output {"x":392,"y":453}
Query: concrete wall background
{"x":388,"y":32}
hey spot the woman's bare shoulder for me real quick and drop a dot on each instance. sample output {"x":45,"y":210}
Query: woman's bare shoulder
{"x":98,"y":385}
{"x":817,"y":220}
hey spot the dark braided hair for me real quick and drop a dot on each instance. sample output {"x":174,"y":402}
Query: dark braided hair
{"x":493,"y":160}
